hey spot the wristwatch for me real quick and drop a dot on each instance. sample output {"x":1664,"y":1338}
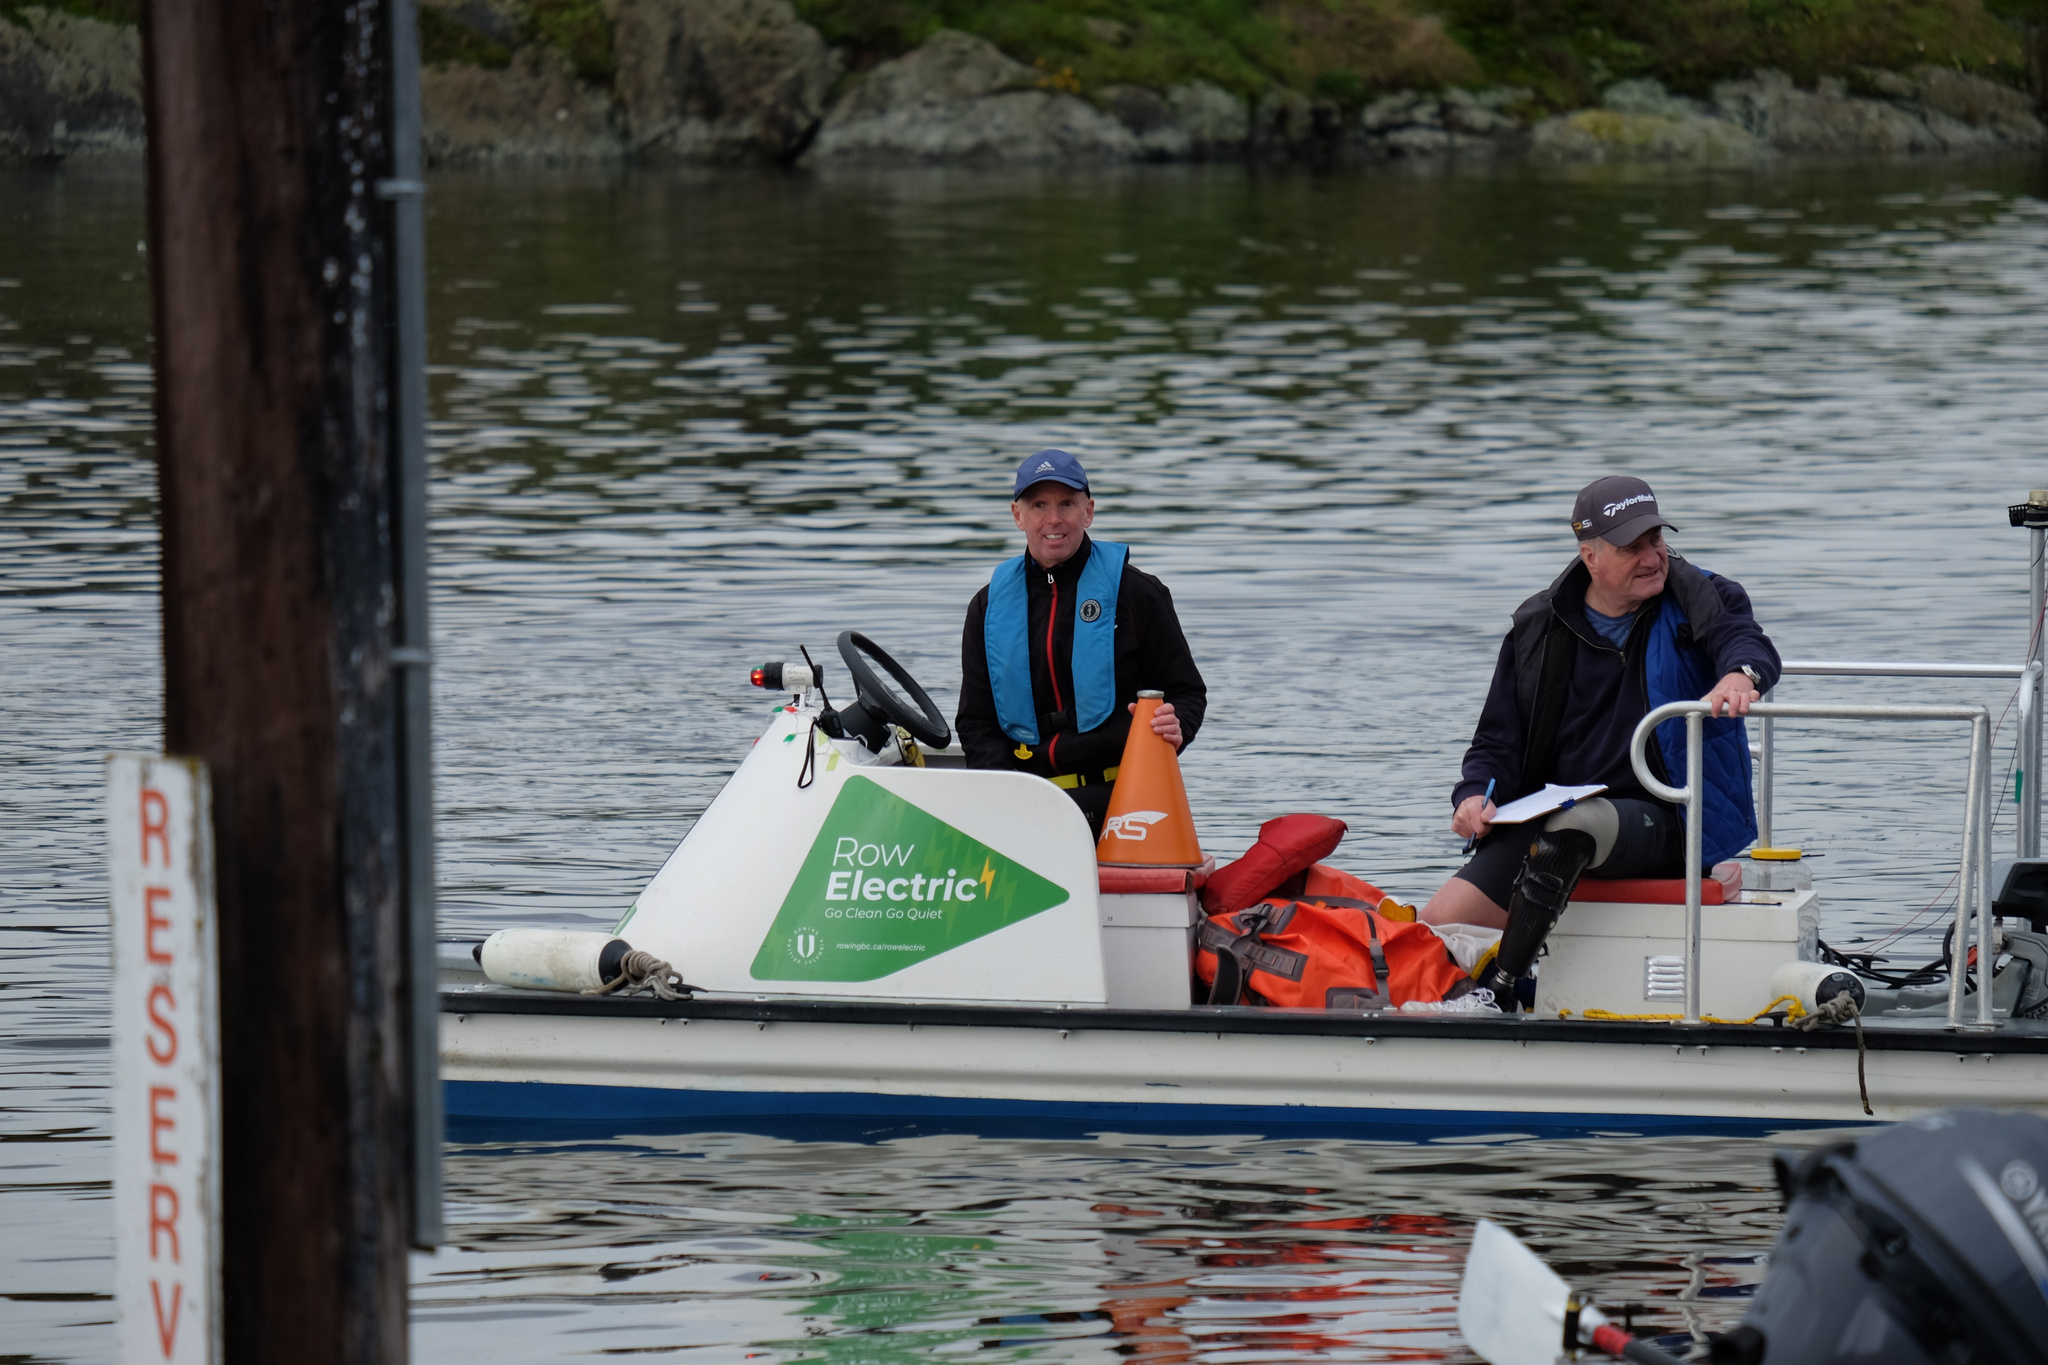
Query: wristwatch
{"x":1756,"y":679}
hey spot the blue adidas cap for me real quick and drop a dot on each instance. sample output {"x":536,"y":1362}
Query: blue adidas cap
{"x":1056,"y":465}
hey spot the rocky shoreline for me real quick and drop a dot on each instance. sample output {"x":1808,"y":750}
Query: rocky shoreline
{"x":747,"y":81}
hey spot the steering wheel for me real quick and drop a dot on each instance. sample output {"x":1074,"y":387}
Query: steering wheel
{"x":877,"y":702}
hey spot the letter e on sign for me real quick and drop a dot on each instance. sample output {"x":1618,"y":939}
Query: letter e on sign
{"x":166,"y":1062}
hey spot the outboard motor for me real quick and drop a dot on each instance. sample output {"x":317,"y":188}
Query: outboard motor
{"x":1923,"y":1244}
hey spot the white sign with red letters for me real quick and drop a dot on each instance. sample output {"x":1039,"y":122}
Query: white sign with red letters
{"x":166,"y":1062}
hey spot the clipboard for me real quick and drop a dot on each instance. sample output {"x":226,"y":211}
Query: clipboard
{"x":1552,"y":797}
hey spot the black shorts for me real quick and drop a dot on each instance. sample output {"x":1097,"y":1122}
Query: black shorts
{"x":1650,"y":843}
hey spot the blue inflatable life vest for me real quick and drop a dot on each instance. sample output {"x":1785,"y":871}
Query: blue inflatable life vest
{"x":1673,"y":671}
{"x":1008,"y":623}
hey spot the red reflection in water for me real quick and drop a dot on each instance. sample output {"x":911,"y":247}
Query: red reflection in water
{"x":1366,"y":1302}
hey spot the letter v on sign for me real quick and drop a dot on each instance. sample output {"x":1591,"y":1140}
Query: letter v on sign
{"x":886,"y":936}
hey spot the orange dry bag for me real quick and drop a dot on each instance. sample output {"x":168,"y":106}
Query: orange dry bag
{"x":1309,"y":955}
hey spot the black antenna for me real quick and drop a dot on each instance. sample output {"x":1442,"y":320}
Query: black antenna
{"x":817,"y":674}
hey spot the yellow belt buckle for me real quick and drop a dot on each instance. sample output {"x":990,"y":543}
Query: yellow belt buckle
{"x":1067,"y":780}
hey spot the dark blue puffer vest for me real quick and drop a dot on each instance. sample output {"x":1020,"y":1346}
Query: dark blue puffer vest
{"x":1673,"y":670}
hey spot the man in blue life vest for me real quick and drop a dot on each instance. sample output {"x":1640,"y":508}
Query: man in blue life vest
{"x":1626,"y":628}
{"x":1058,"y":645}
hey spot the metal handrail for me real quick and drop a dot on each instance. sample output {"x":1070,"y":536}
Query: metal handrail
{"x":2027,"y":833}
{"x":1976,"y":869}
{"x":1846,"y":669}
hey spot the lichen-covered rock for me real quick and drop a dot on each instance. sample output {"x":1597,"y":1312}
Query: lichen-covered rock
{"x":533,"y":113}
{"x":1284,"y":126}
{"x":1985,"y":106}
{"x":1136,"y":108}
{"x":1606,"y":135}
{"x":1148,"y":118}
{"x":1451,"y":123}
{"x":1217,"y":123}
{"x":1972,"y":99}
{"x":68,"y":85}
{"x":1482,"y":112}
{"x":959,"y":99}
{"x":1191,"y":122}
{"x":1648,"y":96}
{"x":1403,"y":109}
{"x":719,"y":80}
{"x":1288,"y":126}
{"x":1826,"y":120}
{"x":1930,"y":110}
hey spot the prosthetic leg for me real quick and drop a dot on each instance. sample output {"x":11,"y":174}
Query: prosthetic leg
{"x":1570,"y":842}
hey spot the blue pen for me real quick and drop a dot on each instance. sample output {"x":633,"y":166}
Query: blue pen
{"x":1482,"y":806}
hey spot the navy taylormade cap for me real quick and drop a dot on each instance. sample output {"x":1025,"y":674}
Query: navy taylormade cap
{"x":1617,"y":509}
{"x":1056,"y":465}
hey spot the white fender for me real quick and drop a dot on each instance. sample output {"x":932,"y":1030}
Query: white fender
{"x":551,"y":959}
{"x":1813,"y":984}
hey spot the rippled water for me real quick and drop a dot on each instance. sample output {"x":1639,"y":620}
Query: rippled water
{"x":1218,"y":1250}
{"x":684,"y":424}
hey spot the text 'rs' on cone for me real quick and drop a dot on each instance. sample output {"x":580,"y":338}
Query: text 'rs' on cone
{"x":1149,"y":823}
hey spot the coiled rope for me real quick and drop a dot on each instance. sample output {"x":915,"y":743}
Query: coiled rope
{"x":643,"y":971}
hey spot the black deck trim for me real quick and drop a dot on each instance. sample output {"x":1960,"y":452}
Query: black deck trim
{"x":2022,"y":1037}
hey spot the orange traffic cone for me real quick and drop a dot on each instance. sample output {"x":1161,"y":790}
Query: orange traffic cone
{"x":1149,"y":823}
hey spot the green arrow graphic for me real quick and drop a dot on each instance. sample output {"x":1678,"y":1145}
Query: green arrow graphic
{"x":887,"y":885}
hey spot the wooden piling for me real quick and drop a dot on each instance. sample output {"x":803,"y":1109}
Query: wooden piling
{"x":268,"y":133}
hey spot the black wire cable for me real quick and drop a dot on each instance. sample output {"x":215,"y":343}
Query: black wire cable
{"x":1865,"y":965}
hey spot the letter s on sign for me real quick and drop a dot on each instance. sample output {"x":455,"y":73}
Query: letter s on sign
{"x":168,"y":1052}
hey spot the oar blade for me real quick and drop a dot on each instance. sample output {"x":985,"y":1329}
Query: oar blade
{"x":1511,"y":1308}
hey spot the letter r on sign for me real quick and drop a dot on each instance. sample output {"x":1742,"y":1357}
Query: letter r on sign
{"x":163,"y":1217}
{"x":156,"y":824}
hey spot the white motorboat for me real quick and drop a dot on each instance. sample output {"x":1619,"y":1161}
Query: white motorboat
{"x":879,"y":938}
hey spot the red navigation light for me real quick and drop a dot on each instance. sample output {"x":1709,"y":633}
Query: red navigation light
{"x":778,"y":676}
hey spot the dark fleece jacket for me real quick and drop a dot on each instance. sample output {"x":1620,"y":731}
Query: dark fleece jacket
{"x":1607,"y":696}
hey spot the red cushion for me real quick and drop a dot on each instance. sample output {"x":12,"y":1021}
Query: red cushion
{"x":1290,"y":844}
{"x":1718,"y":888}
{"x":1153,"y":881}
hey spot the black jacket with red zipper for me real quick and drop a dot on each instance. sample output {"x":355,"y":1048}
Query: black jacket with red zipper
{"x":1151,"y":655}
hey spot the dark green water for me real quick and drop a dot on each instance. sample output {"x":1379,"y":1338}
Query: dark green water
{"x":685,"y":424}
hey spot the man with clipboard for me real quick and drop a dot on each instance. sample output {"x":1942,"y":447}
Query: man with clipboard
{"x":1627,"y":627}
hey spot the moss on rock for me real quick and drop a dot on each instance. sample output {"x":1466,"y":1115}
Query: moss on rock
{"x":1599,"y":135}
